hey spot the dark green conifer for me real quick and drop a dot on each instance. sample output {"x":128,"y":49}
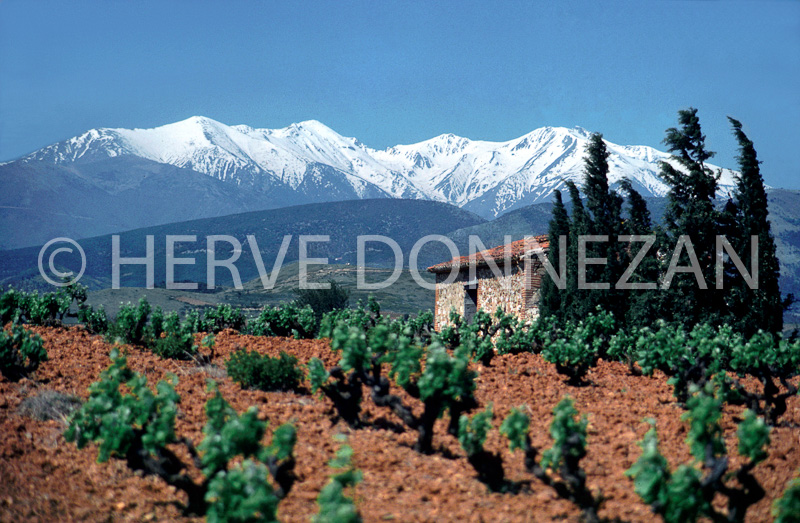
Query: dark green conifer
{"x":603,"y":218}
{"x":760,"y":308}
{"x":577,"y":299}
{"x":643,"y":305}
{"x":553,"y":301}
{"x":691,"y":212}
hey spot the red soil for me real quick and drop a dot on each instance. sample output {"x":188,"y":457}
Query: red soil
{"x":44,"y":478}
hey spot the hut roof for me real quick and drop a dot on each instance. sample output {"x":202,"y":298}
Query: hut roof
{"x":518,"y":250}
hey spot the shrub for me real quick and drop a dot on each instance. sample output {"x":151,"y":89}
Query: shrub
{"x":690,"y":359}
{"x":571,"y":356}
{"x":139,"y":426}
{"x":450,"y":334}
{"x":446,"y":384}
{"x":786,"y":509}
{"x":487,"y":335}
{"x":472,"y":431}
{"x":94,"y":321}
{"x":48,"y":308}
{"x":175,"y":347}
{"x":334,"y":506}
{"x":477,"y":337}
{"x":45,"y":309}
{"x":173,"y":339}
{"x":659,"y":348}
{"x":362,"y":316}
{"x":221,"y":318}
{"x":578,"y":347}
{"x":164,"y":334}
{"x":542,"y":330}
{"x":241,"y":494}
{"x":563,"y":458}
{"x":196,"y":322}
{"x":569,"y":436}
{"x":131,"y":324}
{"x":687,"y":493}
{"x":702,"y":356}
{"x":345,"y":389}
{"x":21,"y":351}
{"x":472,"y":435}
{"x":323,"y":301}
{"x":419,"y":327}
{"x":287,"y":321}
{"x":513,"y":336}
{"x":773,"y":363}
{"x":254,"y":371}
{"x":10,"y":306}
{"x":622,"y":347}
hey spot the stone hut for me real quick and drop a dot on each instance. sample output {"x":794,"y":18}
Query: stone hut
{"x":514,"y":286}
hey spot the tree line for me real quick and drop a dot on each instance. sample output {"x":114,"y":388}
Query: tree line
{"x":692,"y":224}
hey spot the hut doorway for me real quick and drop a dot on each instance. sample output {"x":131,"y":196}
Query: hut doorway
{"x":470,"y":301}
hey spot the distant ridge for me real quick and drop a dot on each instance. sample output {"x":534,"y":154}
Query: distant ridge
{"x":405,"y":221}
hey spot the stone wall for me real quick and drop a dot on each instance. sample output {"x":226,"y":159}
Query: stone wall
{"x":506,"y":291}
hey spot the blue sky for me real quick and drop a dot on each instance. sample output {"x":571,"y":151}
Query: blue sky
{"x":401,"y":72}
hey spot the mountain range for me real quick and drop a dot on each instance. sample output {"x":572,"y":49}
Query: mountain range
{"x":109,"y":180}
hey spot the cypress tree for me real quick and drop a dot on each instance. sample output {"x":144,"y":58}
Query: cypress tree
{"x":603,"y":204}
{"x":552,"y":300}
{"x":639,"y":220}
{"x":691,"y":212}
{"x":603,"y":217}
{"x":735,"y":293}
{"x":644,"y":305}
{"x":578,"y":304}
{"x":760,"y":308}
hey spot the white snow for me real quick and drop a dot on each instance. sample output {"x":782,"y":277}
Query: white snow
{"x":446,"y":168}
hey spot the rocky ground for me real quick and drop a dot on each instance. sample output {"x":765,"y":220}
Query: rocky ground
{"x":44,"y":478}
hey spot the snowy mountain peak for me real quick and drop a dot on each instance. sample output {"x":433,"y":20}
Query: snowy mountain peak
{"x":308,"y":157}
{"x":313,"y":125}
{"x":192,"y":125}
{"x":200,"y":120}
{"x":580,"y":131}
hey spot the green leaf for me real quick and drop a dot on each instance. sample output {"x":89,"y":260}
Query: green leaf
{"x":568,"y":433}
{"x":786,"y":509}
{"x":704,"y":429}
{"x":753,"y":436}
{"x":241,"y":494}
{"x":515,"y":428}
{"x":651,"y":472}
{"x":472,"y":431}
{"x":228,"y":434}
{"x":317,"y":374}
{"x":334,"y":506}
{"x":284,"y":439}
{"x":352,"y":343}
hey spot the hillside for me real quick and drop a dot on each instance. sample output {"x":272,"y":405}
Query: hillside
{"x":403,"y":297}
{"x":41,"y":200}
{"x":405,"y":221}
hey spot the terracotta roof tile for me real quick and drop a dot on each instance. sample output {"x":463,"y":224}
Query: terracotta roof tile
{"x":497,"y":254}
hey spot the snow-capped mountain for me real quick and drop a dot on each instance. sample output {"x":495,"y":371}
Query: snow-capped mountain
{"x":317,"y":163}
{"x":110,"y":180}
